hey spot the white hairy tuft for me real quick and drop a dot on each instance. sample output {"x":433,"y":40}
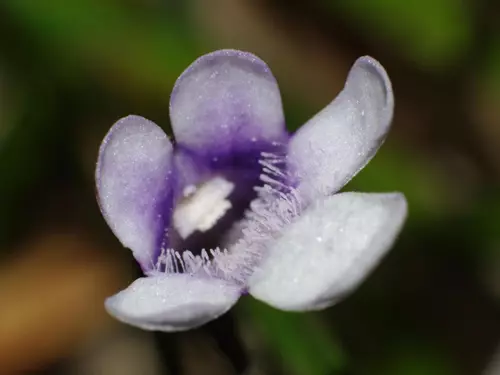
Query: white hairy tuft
{"x":277,"y":205}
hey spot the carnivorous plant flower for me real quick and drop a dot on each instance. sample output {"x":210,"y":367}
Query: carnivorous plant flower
{"x":237,"y":205}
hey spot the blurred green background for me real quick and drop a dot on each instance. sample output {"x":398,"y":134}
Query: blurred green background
{"x":69,"y":69}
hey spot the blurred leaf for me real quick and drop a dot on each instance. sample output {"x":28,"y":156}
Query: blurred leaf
{"x":417,"y":359}
{"x":401,"y":170}
{"x":490,"y":70}
{"x":120,"y":46}
{"x":304,"y":345}
{"x":484,"y":222}
{"x":433,"y":33}
{"x":483,"y":100}
{"x":10,"y":104}
{"x":23,"y":149}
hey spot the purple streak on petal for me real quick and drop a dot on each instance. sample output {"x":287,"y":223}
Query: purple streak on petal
{"x":225,"y":101}
{"x":133,"y":180}
{"x":239,"y":165}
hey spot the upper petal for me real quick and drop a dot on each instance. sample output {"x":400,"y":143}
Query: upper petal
{"x":329,"y":250}
{"x":172,"y":302}
{"x":226,"y":100}
{"x":335,"y":144}
{"x":133,"y":184}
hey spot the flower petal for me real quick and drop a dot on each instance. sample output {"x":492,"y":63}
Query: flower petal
{"x":226,"y":100}
{"x":329,"y":250}
{"x":335,"y":144}
{"x":133,"y":184}
{"x":172,"y":302}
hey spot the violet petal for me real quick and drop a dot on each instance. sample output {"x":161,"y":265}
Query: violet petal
{"x":226,"y":100}
{"x":328,"y":250}
{"x":172,"y":302}
{"x":133,"y":181}
{"x":335,"y":144}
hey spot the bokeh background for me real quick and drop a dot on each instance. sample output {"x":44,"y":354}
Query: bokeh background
{"x":70,"y":68}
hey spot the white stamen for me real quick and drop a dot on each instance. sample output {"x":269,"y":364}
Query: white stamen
{"x":189,"y":190}
{"x":202,"y":206}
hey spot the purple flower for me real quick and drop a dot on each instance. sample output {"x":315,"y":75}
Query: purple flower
{"x":238,"y":205}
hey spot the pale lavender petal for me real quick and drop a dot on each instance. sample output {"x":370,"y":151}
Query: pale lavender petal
{"x":336,"y":143}
{"x":133,"y":181}
{"x":172,"y":302}
{"x":226,"y":100}
{"x":329,"y":250}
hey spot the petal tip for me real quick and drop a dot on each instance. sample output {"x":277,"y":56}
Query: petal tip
{"x":376,"y":71}
{"x":348,"y":131}
{"x":223,"y":101}
{"x":129,"y":121}
{"x":255,"y":63}
{"x":170,"y":303}
{"x":131,"y":180}
{"x":400,"y":204}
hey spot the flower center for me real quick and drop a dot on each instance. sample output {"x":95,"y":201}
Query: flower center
{"x":202,"y":206}
{"x":240,"y":209}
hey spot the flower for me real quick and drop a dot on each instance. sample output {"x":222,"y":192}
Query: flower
{"x":240,"y":206}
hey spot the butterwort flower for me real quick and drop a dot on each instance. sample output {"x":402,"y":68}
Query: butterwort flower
{"x":239,"y":206}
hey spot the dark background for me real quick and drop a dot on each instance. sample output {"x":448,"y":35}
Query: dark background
{"x":70,"y":68}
